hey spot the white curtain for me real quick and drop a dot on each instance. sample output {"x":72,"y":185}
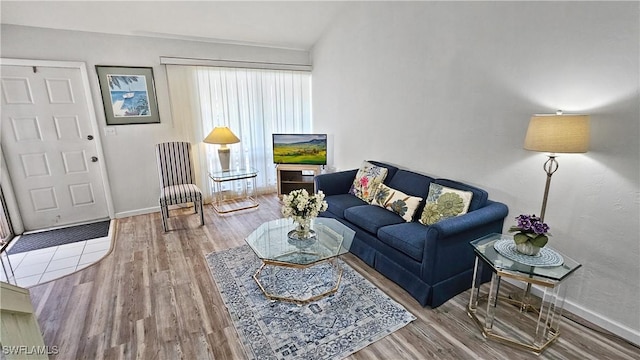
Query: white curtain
{"x":253,"y":103}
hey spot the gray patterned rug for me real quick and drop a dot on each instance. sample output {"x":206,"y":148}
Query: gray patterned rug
{"x":330,"y":328}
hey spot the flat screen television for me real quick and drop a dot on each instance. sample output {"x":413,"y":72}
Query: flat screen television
{"x":308,"y":149}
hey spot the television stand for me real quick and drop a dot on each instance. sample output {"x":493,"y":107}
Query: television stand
{"x":293,"y":177}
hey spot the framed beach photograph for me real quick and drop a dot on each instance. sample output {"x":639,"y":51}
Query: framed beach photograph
{"x":128,"y":95}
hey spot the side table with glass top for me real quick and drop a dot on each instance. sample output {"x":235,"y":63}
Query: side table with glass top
{"x":521,"y":323}
{"x":245,"y":201}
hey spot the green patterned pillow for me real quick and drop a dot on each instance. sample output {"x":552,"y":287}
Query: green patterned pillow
{"x":396,"y":201}
{"x":367,"y":180}
{"x":443,"y":203}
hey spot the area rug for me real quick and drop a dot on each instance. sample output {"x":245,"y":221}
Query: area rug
{"x":59,"y":237}
{"x":333,"y":327}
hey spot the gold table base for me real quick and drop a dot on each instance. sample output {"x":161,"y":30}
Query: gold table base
{"x":534,"y":333}
{"x":298,"y":300}
{"x":218,"y":205}
{"x":552,"y":334}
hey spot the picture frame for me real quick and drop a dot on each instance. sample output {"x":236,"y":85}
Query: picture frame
{"x":128,"y":94}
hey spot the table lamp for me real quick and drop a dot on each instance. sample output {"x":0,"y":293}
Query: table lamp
{"x":222,"y":136}
{"x":556,"y":133}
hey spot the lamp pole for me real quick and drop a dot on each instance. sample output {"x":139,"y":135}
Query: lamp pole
{"x":550,"y":167}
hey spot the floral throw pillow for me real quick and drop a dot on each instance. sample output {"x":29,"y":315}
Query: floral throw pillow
{"x":396,"y":201}
{"x":443,"y":203}
{"x":367,"y":179}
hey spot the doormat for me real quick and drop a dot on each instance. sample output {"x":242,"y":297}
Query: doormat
{"x":59,"y":237}
{"x":333,"y":327}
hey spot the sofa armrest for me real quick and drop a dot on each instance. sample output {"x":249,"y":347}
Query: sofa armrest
{"x":335,"y":183}
{"x":447,"y":251}
{"x":491,"y":212}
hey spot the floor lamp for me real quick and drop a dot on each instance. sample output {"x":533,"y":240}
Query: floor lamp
{"x":556,"y":133}
{"x":222,"y":136}
{"x":553,"y":133}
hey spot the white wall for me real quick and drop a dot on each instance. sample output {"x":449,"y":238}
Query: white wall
{"x":130,"y":154}
{"x":447,"y":89}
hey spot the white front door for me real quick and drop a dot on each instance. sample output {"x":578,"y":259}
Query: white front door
{"x":49,"y":146}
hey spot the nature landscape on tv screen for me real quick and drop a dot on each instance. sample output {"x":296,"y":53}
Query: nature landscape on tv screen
{"x":310,"y":149}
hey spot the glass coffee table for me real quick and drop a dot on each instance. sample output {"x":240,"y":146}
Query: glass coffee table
{"x":299,"y":271}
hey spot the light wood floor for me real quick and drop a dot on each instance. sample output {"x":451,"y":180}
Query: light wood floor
{"x":153,"y":297}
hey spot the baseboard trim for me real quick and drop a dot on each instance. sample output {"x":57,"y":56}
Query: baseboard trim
{"x":149,"y":210}
{"x":621,"y":330}
{"x":614,"y":327}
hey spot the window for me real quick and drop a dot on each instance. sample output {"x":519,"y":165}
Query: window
{"x":253,"y":103}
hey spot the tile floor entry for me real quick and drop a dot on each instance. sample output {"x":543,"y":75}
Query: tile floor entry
{"x":38,"y":266}
{"x":60,"y":236}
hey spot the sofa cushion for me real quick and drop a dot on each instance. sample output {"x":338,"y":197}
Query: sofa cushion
{"x":341,"y":202}
{"x":444,"y":202}
{"x":333,"y":183}
{"x":391,"y":170}
{"x":367,"y":179}
{"x":371,"y":218}
{"x":396,"y":201}
{"x":479,"y":199}
{"x":407,"y":238}
{"x":411,"y":183}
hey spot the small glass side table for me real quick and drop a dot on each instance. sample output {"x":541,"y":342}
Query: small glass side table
{"x":246,"y":201}
{"x":525,"y":325}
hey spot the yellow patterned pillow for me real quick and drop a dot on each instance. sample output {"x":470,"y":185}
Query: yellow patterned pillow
{"x":396,"y":201}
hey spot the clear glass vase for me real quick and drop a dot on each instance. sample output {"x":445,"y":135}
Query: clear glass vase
{"x":303,"y":228}
{"x":302,"y":231}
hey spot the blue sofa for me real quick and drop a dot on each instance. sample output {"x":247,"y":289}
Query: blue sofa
{"x":432,"y":263}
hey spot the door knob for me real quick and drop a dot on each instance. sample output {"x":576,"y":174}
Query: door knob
{"x":90,"y":137}
{"x":94,"y":159}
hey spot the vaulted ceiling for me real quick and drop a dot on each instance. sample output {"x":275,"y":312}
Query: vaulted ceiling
{"x":284,"y":24}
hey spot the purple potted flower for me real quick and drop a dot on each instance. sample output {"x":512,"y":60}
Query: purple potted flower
{"x":531,"y":234}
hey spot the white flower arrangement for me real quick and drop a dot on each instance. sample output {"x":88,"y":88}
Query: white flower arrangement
{"x":299,"y":205}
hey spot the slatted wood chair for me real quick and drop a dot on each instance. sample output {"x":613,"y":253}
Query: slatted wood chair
{"x":177,"y":185}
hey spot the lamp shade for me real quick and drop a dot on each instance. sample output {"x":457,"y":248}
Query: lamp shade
{"x":221,"y":135}
{"x":558,"y":133}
